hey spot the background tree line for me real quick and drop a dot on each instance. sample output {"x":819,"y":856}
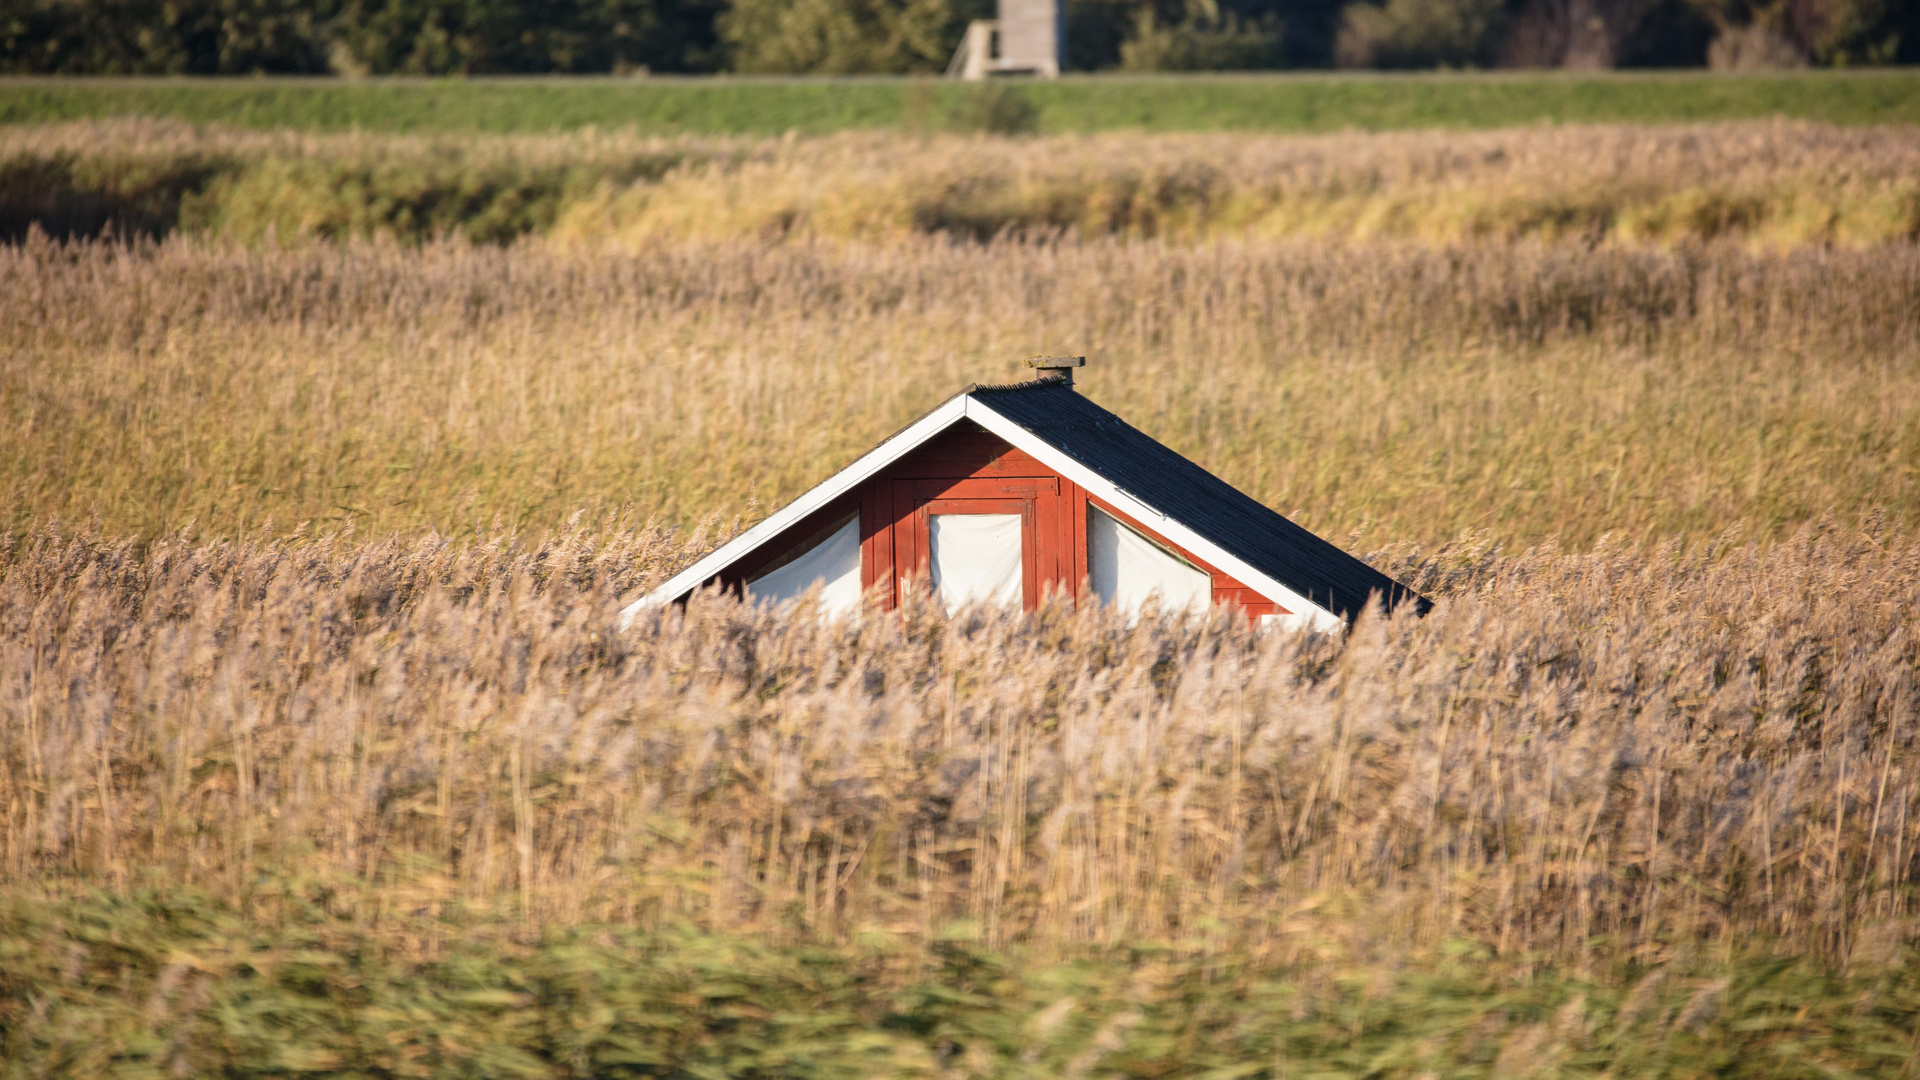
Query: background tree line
{"x":435,"y":37}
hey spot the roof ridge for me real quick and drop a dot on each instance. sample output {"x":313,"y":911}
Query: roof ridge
{"x":1030,"y":384}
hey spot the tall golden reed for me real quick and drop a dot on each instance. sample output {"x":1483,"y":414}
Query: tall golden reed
{"x":1773,"y":184}
{"x":1586,"y":757}
{"x":1766,"y":183}
{"x":1528,"y":391}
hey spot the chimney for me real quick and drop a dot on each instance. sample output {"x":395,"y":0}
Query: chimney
{"x":1055,"y":368}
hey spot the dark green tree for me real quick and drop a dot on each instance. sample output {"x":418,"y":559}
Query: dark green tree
{"x":475,"y":37}
{"x":144,"y":37}
{"x":425,"y":37}
{"x":847,"y":37}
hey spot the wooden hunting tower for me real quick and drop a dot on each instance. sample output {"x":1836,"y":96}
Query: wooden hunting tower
{"x":1029,"y":38}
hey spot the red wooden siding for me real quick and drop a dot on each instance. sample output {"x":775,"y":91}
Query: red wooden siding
{"x":968,"y":469}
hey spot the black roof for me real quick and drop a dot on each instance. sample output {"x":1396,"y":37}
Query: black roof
{"x":1171,"y":484}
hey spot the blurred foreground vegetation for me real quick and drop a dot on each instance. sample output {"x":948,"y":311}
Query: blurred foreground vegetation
{"x":169,"y":982}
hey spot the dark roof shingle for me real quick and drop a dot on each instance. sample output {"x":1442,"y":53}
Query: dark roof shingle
{"x":1184,"y":491}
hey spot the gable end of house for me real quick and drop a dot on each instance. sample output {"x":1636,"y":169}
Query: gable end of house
{"x":1063,"y":474}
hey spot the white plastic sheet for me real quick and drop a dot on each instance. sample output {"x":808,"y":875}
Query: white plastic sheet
{"x":975,"y":558}
{"x":833,"y":563}
{"x":1126,"y":568}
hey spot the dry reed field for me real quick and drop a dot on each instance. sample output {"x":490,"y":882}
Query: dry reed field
{"x":1528,"y":391}
{"x":1761,"y":183}
{"x":1770,"y":184}
{"x":321,"y":753}
{"x":1574,"y":756}
{"x":410,"y":756}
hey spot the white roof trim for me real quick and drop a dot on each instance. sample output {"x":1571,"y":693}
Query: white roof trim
{"x":1306,"y":614}
{"x":839,"y":484}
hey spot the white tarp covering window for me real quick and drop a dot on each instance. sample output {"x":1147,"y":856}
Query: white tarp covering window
{"x":1125,"y":568}
{"x":975,"y":558}
{"x":833,"y":563}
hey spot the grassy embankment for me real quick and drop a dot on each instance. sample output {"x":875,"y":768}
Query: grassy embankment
{"x":747,"y":106}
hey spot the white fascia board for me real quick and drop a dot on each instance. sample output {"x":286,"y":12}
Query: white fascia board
{"x":1305,"y":613}
{"x":839,"y":484}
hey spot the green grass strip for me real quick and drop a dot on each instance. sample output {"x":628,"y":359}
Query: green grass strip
{"x":164,"y":984}
{"x":1274,"y":103}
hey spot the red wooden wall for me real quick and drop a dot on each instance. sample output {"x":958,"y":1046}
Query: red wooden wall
{"x":969,"y":469}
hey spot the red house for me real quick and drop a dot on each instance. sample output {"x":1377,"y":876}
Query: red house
{"x":1009,"y":494}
